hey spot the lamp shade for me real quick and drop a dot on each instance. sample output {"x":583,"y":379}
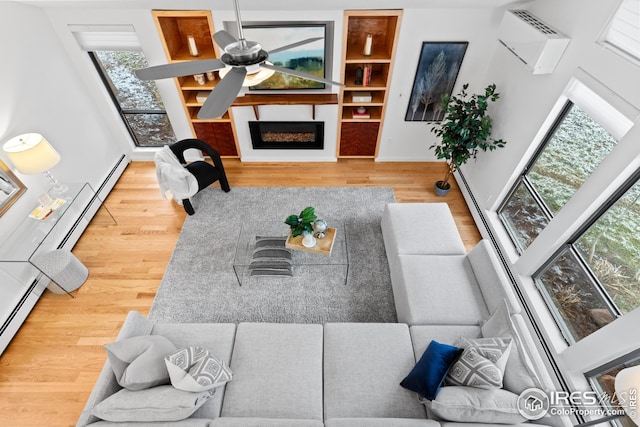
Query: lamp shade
{"x":627,"y":386}
{"x":255,"y":74}
{"x":31,"y":153}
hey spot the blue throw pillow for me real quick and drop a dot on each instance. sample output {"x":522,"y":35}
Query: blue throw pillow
{"x":427,"y":376}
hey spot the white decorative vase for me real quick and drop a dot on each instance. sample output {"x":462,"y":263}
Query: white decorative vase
{"x":308,"y":241}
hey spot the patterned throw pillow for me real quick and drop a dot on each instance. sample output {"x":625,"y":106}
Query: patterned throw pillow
{"x":481,"y":364}
{"x":195,"y":369}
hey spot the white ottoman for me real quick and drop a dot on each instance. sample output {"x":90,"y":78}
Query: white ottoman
{"x":63,"y":268}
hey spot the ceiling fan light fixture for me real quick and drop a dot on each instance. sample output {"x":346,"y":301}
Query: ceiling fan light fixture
{"x":255,"y":74}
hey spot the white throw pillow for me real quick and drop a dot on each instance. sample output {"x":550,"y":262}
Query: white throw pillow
{"x":138,"y":362}
{"x":162,"y":403}
{"x":195,"y":369}
{"x":519,"y":373}
{"x":470,"y":404}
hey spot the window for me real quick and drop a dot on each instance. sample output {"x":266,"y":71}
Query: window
{"x":137,"y":101}
{"x":596,"y":277}
{"x":571,"y":151}
{"x":623,"y":33}
{"x":115,"y":52}
{"x":603,"y":381}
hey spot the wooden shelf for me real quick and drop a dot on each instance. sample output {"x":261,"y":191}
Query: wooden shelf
{"x":173,"y":27}
{"x":360,"y":137}
{"x":256,"y":101}
{"x":287,"y":99}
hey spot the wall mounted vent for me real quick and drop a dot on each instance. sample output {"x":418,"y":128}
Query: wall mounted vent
{"x":534,"y":42}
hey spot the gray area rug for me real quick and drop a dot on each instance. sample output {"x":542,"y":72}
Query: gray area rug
{"x":199,"y":284}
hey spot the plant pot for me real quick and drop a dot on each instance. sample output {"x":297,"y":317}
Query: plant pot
{"x":439,"y":190}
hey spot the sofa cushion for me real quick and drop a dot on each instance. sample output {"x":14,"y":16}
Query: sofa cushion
{"x":429,"y":373}
{"x":161,"y":403}
{"x":277,"y":372}
{"x":437,"y":289}
{"x":420,"y":228}
{"x":422,"y":335}
{"x":469,"y":404}
{"x":264,"y":422}
{"x":138,"y":362}
{"x":379,"y":422}
{"x":363,"y":366}
{"x":215,"y":337}
{"x":491,"y":277}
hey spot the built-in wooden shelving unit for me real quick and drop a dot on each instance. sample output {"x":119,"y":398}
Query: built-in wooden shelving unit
{"x":359,"y":136}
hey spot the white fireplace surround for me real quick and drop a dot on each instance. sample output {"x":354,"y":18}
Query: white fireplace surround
{"x":304,"y":113}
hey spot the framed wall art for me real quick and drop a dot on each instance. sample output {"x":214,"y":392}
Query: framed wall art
{"x":436,"y":76}
{"x":11,"y":188}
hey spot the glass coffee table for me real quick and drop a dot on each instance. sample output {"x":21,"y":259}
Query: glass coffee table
{"x":268,"y":238}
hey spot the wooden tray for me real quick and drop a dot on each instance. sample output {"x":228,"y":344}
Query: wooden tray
{"x":322,"y":247}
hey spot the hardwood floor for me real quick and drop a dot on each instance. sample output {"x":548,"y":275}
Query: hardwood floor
{"x":48,"y":370}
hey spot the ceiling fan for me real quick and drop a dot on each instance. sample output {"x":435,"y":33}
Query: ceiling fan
{"x":241,"y":59}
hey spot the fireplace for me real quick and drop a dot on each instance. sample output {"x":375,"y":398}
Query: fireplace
{"x":287,"y":135}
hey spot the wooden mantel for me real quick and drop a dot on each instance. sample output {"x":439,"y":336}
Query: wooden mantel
{"x":285,"y":99}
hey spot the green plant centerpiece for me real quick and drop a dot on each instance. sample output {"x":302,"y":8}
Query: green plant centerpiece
{"x":465,"y":130}
{"x":301,"y":223}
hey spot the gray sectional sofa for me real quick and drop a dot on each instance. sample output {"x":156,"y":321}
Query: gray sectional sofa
{"x":349,"y":374}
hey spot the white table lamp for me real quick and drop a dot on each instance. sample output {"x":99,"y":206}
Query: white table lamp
{"x":31,"y":154}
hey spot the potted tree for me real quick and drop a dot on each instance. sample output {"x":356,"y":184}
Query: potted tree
{"x":465,"y":130}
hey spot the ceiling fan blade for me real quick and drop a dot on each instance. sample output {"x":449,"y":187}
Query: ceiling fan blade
{"x":223,"y":39}
{"x":178,"y":69}
{"x":223,"y":95}
{"x":296,"y":44}
{"x":299,"y":74}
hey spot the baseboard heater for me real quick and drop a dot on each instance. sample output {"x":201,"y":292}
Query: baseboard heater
{"x":512,"y":279}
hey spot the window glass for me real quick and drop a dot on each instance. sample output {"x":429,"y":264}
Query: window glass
{"x":138,"y":102}
{"x":611,"y":248}
{"x":571,"y":152}
{"x":579,"y":307}
{"x":597,"y":278}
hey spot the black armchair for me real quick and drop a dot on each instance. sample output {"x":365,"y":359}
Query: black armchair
{"x":205,"y":173}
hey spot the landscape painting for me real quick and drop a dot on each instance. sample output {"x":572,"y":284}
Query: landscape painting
{"x":435,"y":77}
{"x":308,"y":57}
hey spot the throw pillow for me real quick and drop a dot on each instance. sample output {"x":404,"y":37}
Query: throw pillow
{"x":469,"y":404}
{"x":427,"y":375}
{"x":162,"y":403}
{"x":195,"y":369}
{"x":519,"y":373}
{"x":138,"y":362}
{"x":481,"y":364}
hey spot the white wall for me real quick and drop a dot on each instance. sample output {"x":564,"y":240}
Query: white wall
{"x":401,"y":141}
{"x":40,"y":93}
{"x":526,"y":102}
{"x":410,"y":141}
